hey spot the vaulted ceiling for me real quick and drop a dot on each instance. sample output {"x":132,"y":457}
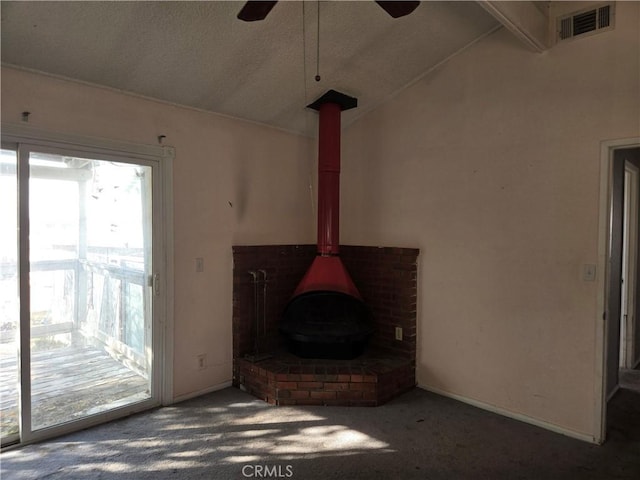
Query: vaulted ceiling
{"x":200,"y":55}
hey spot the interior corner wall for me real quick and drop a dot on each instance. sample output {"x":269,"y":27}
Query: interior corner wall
{"x":234,"y":182}
{"x":491,"y":166}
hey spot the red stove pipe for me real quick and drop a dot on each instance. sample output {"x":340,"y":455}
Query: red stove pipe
{"x":327,"y":317}
{"x":327,"y":273}
{"x":329,"y":179}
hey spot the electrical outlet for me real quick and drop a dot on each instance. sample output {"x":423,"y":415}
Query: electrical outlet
{"x":202,"y":361}
{"x":199,"y":264}
{"x":398,"y":333}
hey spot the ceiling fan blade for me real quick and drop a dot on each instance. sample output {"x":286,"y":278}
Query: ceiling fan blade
{"x":398,"y":9}
{"x":256,"y":10}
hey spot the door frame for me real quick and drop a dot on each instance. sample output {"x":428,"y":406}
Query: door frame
{"x":160,"y":156}
{"x":630,"y":242}
{"x":607,"y":151}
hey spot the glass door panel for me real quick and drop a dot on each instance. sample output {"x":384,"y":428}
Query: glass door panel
{"x":90,"y":261}
{"x":9,"y":298}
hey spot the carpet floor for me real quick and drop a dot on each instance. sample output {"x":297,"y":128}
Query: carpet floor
{"x":419,"y":435}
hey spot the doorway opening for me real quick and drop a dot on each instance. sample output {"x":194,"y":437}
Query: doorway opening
{"x":619,"y":258}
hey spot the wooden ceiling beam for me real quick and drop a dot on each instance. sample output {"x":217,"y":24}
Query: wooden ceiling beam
{"x":523,"y":19}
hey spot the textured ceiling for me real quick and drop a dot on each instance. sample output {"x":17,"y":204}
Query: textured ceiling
{"x":198,"y":54}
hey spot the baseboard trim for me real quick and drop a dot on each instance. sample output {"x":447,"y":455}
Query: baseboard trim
{"x":513,"y":415}
{"x":215,"y":388}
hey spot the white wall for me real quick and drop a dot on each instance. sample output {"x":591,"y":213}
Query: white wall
{"x":490,"y":165}
{"x":263,"y":172}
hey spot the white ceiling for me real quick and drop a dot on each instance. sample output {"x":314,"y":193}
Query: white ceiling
{"x":200,"y":55}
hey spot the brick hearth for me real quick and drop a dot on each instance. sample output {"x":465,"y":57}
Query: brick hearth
{"x":387,"y":280}
{"x":288,"y":380}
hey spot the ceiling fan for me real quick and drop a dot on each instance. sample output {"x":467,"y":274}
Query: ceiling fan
{"x":258,"y":10}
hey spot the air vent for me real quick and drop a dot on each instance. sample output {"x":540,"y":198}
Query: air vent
{"x":593,"y":20}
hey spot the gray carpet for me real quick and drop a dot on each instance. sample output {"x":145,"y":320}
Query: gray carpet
{"x":231,"y":435}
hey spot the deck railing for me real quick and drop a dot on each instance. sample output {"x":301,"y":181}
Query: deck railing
{"x":101,"y":301}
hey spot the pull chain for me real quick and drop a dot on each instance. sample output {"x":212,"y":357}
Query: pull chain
{"x":318,"y":45}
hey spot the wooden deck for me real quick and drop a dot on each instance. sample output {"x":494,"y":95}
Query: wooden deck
{"x":67,"y":384}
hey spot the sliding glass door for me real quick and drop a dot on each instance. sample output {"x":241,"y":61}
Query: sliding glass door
{"x":78,"y":294}
{"x":9,"y":297}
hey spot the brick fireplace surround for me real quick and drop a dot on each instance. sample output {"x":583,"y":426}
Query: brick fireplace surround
{"x":387,"y":280}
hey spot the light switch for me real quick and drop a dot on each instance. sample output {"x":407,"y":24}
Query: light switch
{"x":589,"y":272}
{"x":199,"y":264}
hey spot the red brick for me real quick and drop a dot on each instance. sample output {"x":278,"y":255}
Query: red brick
{"x":297,"y":394}
{"x":335,"y":403}
{"x":336,"y":386}
{"x":309,"y":385}
{"x":365,"y":387}
{"x":287,"y":385}
{"x":309,"y":401}
{"x":324,"y":395}
{"x":349,"y":395}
